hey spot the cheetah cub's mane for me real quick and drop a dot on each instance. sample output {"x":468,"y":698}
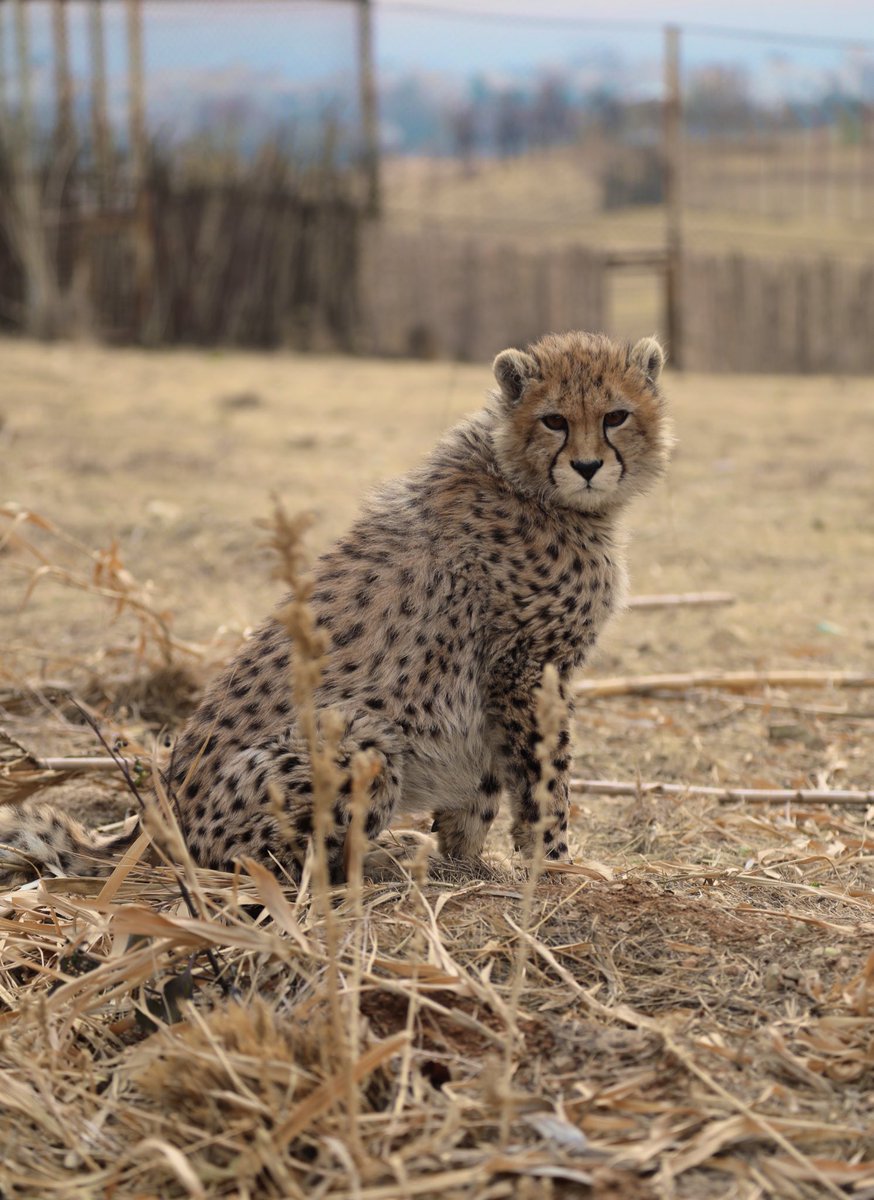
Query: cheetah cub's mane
{"x":442,"y":605}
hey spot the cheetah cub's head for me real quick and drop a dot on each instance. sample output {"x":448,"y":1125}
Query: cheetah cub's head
{"x":580,"y":420}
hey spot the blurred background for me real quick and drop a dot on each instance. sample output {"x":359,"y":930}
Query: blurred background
{"x":439,"y":180}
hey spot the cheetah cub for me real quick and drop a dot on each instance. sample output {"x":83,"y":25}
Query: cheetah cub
{"x":442,"y":606}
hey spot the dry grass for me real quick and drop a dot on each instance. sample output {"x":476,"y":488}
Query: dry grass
{"x":687,"y":1012}
{"x":673,"y":1032}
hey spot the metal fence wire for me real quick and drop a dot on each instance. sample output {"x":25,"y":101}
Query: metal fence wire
{"x":312,"y":172}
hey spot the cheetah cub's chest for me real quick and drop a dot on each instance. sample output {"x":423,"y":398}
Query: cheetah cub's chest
{"x":442,"y":606}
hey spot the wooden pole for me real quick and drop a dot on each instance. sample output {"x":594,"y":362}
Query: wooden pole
{"x":25,"y":92}
{"x":99,"y":117}
{"x":4,"y":85}
{"x":63,"y":82}
{"x":368,"y":101}
{"x":40,"y":285}
{"x":137,"y":138}
{"x":136,"y":103}
{"x":673,"y":150}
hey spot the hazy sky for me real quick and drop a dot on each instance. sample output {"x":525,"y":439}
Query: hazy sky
{"x":413,"y":33}
{"x":840,"y":18}
{"x":305,"y":40}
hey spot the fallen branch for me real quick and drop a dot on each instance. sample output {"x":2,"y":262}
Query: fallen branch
{"x":94,"y":763}
{"x":22,"y":773}
{"x":725,"y":795}
{"x":606,"y":787}
{"x":730,"y":681}
{"x":682,"y":600}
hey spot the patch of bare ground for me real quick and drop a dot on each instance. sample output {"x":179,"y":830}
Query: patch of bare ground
{"x":685,"y":1013}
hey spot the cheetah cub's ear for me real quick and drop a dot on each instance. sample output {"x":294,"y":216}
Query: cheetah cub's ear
{"x":650,"y":357}
{"x":513,"y":370}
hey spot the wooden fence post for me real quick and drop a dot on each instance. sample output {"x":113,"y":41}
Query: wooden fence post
{"x":4,"y":92}
{"x":25,"y":91}
{"x":40,"y":285}
{"x":143,"y":249}
{"x":673,"y":151}
{"x":99,"y":118}
{"x":63,"y":82}
{"x":367,"y":100}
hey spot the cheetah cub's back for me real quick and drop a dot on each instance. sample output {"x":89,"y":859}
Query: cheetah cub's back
{"x":443,"y":604}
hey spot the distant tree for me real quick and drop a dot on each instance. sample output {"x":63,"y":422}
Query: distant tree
{"x":511,"y":125}
{"x":552,"y":118}
{"x":606,"y":113}
{"x":462,"y":123}
{"x":718,"y":101}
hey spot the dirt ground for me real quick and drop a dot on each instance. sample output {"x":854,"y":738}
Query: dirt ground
{"x":176,"y":456}
{"x":744,"y":929}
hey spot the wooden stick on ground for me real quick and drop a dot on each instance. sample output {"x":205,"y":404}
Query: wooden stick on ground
{"x":604,"y":787}
{"x":729,"y":681}
{"x":682,"y":600}
{"x":725,"y":795}
{"x":95,"y":763}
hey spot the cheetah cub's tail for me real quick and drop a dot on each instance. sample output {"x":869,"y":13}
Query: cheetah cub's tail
{"x":47,"y":841}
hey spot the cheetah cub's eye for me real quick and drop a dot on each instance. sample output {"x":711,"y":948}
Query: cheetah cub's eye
{"x":617,"y":417}
{"x":555,"y":421}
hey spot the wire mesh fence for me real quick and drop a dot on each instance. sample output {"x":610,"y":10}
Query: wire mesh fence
{"x":177,"y":170}
{"x":180,"y":171}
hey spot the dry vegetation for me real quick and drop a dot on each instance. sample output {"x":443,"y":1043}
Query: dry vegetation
{"x":684,"y":1013}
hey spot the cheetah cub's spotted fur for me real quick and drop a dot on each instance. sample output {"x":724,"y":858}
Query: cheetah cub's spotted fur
{"x":450,"y":594}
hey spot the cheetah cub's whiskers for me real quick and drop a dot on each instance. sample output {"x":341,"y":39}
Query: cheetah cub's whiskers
{"x":441,"y":607}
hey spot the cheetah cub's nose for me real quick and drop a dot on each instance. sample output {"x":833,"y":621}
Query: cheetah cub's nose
{"x":588,"y":469}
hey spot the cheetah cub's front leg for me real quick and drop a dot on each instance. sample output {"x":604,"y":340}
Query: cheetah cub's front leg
{"x":516,"y":734}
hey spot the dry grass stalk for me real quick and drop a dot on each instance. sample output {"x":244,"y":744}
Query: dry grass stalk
{"x":107,"y":577}
{"x":729,"y":681}
{"x":361,"y":774}
{"x":322,"y":731}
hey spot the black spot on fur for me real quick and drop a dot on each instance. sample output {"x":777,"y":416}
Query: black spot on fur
{"x":351,"y":634}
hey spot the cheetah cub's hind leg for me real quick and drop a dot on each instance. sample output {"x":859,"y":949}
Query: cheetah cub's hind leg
{"x":282,"y":766}
{"x":461,"y":832}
